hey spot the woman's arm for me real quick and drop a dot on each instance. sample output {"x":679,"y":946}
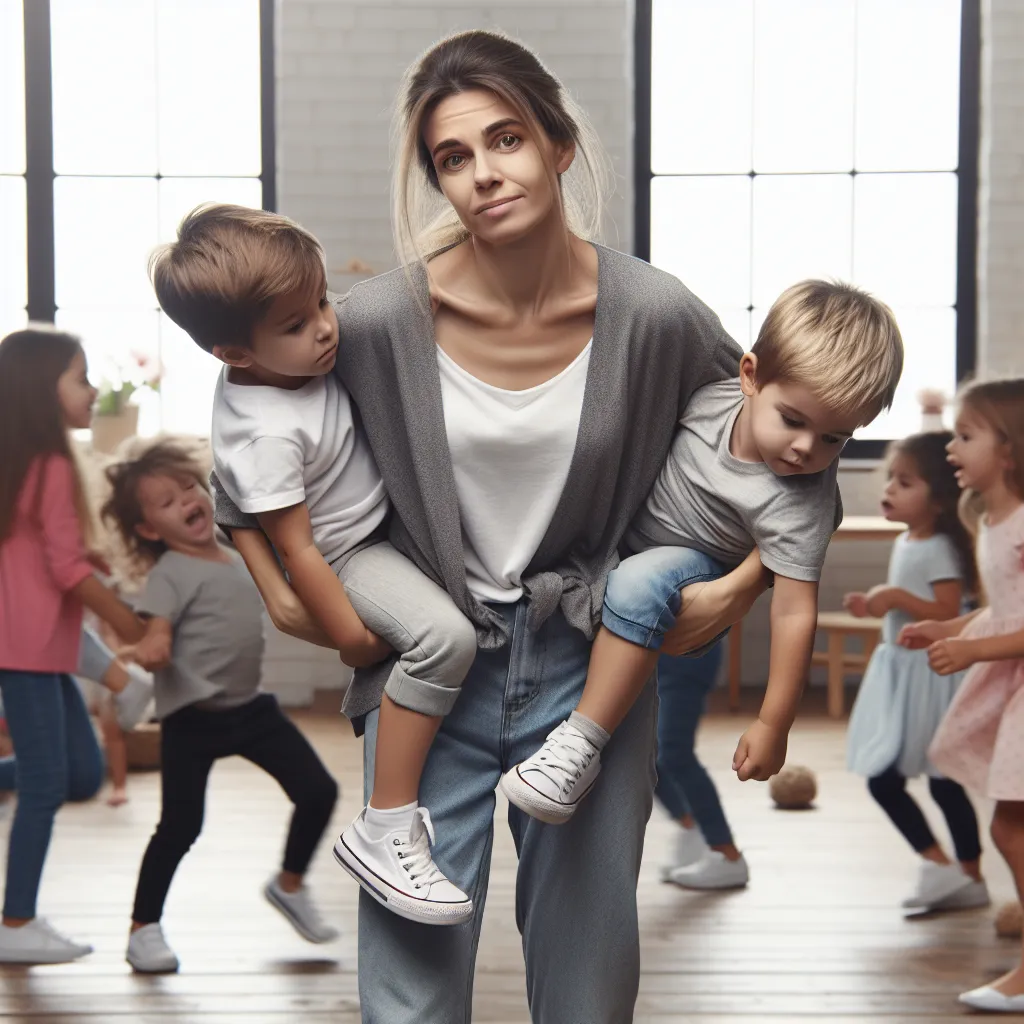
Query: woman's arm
{"x":286,"y":611}
{"x":708,"y":608}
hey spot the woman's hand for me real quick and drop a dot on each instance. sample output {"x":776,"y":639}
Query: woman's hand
{"x":952,"y":655}
{"x":856,"y":604}
{"x":709,"y":608}
{"x":919,"y":635}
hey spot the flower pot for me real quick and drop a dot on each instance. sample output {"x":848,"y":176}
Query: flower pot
{"x":109,"y":431}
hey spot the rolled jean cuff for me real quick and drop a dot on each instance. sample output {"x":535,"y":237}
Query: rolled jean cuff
{"x":94,"y":657}
{"x":418,"y":695}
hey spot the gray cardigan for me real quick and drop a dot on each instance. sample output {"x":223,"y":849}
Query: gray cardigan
{"x":655,"y":343}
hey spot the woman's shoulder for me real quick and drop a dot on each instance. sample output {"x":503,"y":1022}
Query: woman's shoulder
{"x":645,"y":289}
{"x":378,"y":300}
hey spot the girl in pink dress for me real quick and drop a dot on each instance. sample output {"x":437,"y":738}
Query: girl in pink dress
{"x":980,"y":742}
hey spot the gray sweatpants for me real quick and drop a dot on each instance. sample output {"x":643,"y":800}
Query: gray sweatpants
{"x":436,"y":643}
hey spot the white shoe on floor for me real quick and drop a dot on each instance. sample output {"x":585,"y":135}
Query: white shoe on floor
{"x":970,"y":897}
{"x":992,"y":1000}
{"x":550,"y":784}
{"x":688,"y":848}
{"x":935,"y":883}
{"x":38,"y":942}
{"x":398,"y":871}
{"x":300,"y":912}
{"x":133,"y":701}
{"x":713,"y":871}
{"x":148,"y":952}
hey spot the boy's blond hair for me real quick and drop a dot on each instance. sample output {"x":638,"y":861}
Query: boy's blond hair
{"x":837,"y":341}
{"x":217,"y":281}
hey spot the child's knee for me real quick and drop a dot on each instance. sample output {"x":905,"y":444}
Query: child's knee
{"x":459,"y":638}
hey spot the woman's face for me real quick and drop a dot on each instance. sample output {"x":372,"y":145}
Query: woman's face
{"x":491,"y":167}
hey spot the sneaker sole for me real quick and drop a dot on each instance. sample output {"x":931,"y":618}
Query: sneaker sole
{"x":913,"y":903}
{"x":535,"y":804}
{"x":140,"y":969}
{"x":398,"y":902}
{"x":61,"y":958}
{"x":278,"y":905}
{"x":951,"y":904}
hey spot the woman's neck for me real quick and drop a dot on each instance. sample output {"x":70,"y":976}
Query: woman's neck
{"x":1000,"y":502}
{"x":523,"y":275}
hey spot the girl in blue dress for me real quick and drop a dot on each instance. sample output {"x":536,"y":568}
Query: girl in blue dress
{"x":901,"y":700}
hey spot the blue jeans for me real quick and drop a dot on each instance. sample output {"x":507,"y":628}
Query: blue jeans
{"x":575,"y":885}
{"x":642,"y":598}
{"x":56,"y":758}
{"x":684,"y":786}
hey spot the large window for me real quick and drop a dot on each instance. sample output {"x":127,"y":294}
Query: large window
{"x":784,"y":139}
{"x":123,"y":115}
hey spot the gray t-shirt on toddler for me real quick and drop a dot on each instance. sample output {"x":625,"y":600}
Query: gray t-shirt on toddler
{"x":217,"y":616}
{"x":707,"y":499}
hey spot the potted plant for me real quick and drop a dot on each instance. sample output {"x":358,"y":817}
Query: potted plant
{"x":116,"y":417}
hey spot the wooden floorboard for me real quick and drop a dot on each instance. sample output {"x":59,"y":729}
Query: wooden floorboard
{"x":816,"y":937}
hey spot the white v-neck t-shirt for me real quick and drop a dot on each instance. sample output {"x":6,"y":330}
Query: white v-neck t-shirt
{"x":511,"y":452}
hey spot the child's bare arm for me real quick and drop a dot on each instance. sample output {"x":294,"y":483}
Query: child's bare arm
{"x":318,"y":587}
{"x":945,"y":605}
{"x":153,"y":651}
{"x":286,"y":611}
{"x":794,"y":614}
{"x":110,"y":608}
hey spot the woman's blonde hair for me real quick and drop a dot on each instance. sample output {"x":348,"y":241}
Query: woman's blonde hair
{"x":999,"y":404}
{"x":423,"y":220}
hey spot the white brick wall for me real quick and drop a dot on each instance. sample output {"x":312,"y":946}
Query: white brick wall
{"x":339,"y":63}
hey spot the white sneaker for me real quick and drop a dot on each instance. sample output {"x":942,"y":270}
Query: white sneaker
{"x":970,"y":897}
{"x":550,"y":784}
{"x":399,"y":872}
{"x":300,"y":912}
{"x":688,"y":848}
{"x":133,"y":701}
{"x":712,"y":871}
{"x":38,"y":942}
{"x":936,"y":882}
{"x":992,"y":1000}
{"x":148,"y":952}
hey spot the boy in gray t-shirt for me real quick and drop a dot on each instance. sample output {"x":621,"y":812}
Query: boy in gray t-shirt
{"x":753,"y":465}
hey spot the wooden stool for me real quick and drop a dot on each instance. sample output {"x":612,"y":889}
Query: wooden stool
{"x":838,"y":626}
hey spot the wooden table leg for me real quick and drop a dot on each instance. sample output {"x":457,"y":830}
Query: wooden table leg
{"x":735,"y":665}
{"x":836,"y":645}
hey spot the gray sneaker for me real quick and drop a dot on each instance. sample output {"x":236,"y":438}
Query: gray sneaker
{"x":148,"y":952}
{"x":971,"y":897}
{"x":299,"y":910}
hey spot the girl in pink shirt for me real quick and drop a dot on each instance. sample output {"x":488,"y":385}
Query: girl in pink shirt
{"x":46,"y":579}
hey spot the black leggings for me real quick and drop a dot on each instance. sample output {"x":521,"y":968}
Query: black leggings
{"x":890,"y":790}
{"x":190,"y":741}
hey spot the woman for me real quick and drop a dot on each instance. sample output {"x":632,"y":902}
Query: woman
{"x":520,"y":387}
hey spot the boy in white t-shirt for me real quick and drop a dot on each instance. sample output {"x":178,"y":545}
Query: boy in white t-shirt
{"x":249,"y":287}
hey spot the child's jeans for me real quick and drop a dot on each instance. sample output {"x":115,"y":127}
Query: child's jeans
{"x":642,"y":598}
{"x":684,"y":786}
{"x":56,"y":758}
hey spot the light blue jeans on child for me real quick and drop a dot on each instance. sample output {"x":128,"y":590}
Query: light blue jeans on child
{"x":56,"y":758}
{"x":575,"y":884}
{"x":642,"y":598}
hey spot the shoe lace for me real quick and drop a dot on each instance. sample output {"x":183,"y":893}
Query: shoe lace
{"x":414,"y":853}
{"x":566,"y":752}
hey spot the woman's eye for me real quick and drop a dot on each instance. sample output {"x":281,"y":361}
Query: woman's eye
{"x":453,"y":162}
{"x":508,"y":141}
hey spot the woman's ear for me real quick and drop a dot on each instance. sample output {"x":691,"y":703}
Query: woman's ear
{"x":748,"y":374}
{"x":564,"y":156}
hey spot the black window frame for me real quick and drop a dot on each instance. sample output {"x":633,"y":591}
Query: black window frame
{"x":966,"y":304}
{"x":39,"y":171}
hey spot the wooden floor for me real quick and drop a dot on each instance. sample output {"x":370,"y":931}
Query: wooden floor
{"x":816,"y":937}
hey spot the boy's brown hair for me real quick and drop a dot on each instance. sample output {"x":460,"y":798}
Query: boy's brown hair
{"x":123,"y":510}
{"x":836,"y":340}
{"x":229,"y":264}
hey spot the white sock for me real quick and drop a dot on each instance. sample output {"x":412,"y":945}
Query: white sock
{"x":379,"y":823}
